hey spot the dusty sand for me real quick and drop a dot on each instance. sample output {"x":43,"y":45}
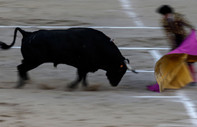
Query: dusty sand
{"x":45,"y":102}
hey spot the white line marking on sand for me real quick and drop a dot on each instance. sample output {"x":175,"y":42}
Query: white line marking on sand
{"x":129,"y":48}
{"x":143,"y":71}
{"x":96,"y":27}
{"x":156,"y":55}
{"x":124,"y":48}
{"x":142,"y":48}
{"x":127,"y":6}
{"x":16,"y":47}
{"x":189,"y":106}
{"x":157,"y":97}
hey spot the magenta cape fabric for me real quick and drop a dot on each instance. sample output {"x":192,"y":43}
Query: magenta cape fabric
{"x":189,"y":46}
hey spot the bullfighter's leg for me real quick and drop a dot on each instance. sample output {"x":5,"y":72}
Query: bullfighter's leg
{"x":81,"y":77}
{"x":22,"y":72}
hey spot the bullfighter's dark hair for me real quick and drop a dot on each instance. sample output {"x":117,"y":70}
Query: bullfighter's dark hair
{"x":165,"y":9}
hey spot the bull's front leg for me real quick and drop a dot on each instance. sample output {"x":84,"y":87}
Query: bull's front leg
{"x":84,"y":82}
{"x":81,"y":77}
{"x":74,"y":84}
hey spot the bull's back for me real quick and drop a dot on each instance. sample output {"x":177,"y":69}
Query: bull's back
{"x":74,"y":37}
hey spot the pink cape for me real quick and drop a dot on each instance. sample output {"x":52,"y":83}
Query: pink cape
{"x":189,"y":46}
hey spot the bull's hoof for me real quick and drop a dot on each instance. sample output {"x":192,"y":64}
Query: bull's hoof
{"x":20,"y":84}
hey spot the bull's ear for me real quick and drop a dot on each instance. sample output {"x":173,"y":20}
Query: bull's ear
{"x":126,"y":61}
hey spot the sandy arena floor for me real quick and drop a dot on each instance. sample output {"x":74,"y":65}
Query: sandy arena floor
{"x":45,"y":102}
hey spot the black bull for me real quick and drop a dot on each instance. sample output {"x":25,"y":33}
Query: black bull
{"x":84,"y":48}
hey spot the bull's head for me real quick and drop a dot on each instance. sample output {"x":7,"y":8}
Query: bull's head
{"x":116,"y":73}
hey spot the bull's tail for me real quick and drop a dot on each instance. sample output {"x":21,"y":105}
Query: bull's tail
{"x":5,"y":46}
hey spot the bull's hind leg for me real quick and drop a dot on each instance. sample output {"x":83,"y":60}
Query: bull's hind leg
{"x":22,"y":72}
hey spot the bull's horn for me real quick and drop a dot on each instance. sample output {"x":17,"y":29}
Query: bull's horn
{"x":129,"y":66}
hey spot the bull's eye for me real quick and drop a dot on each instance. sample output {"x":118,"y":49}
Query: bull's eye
{"x":121,"y":66}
